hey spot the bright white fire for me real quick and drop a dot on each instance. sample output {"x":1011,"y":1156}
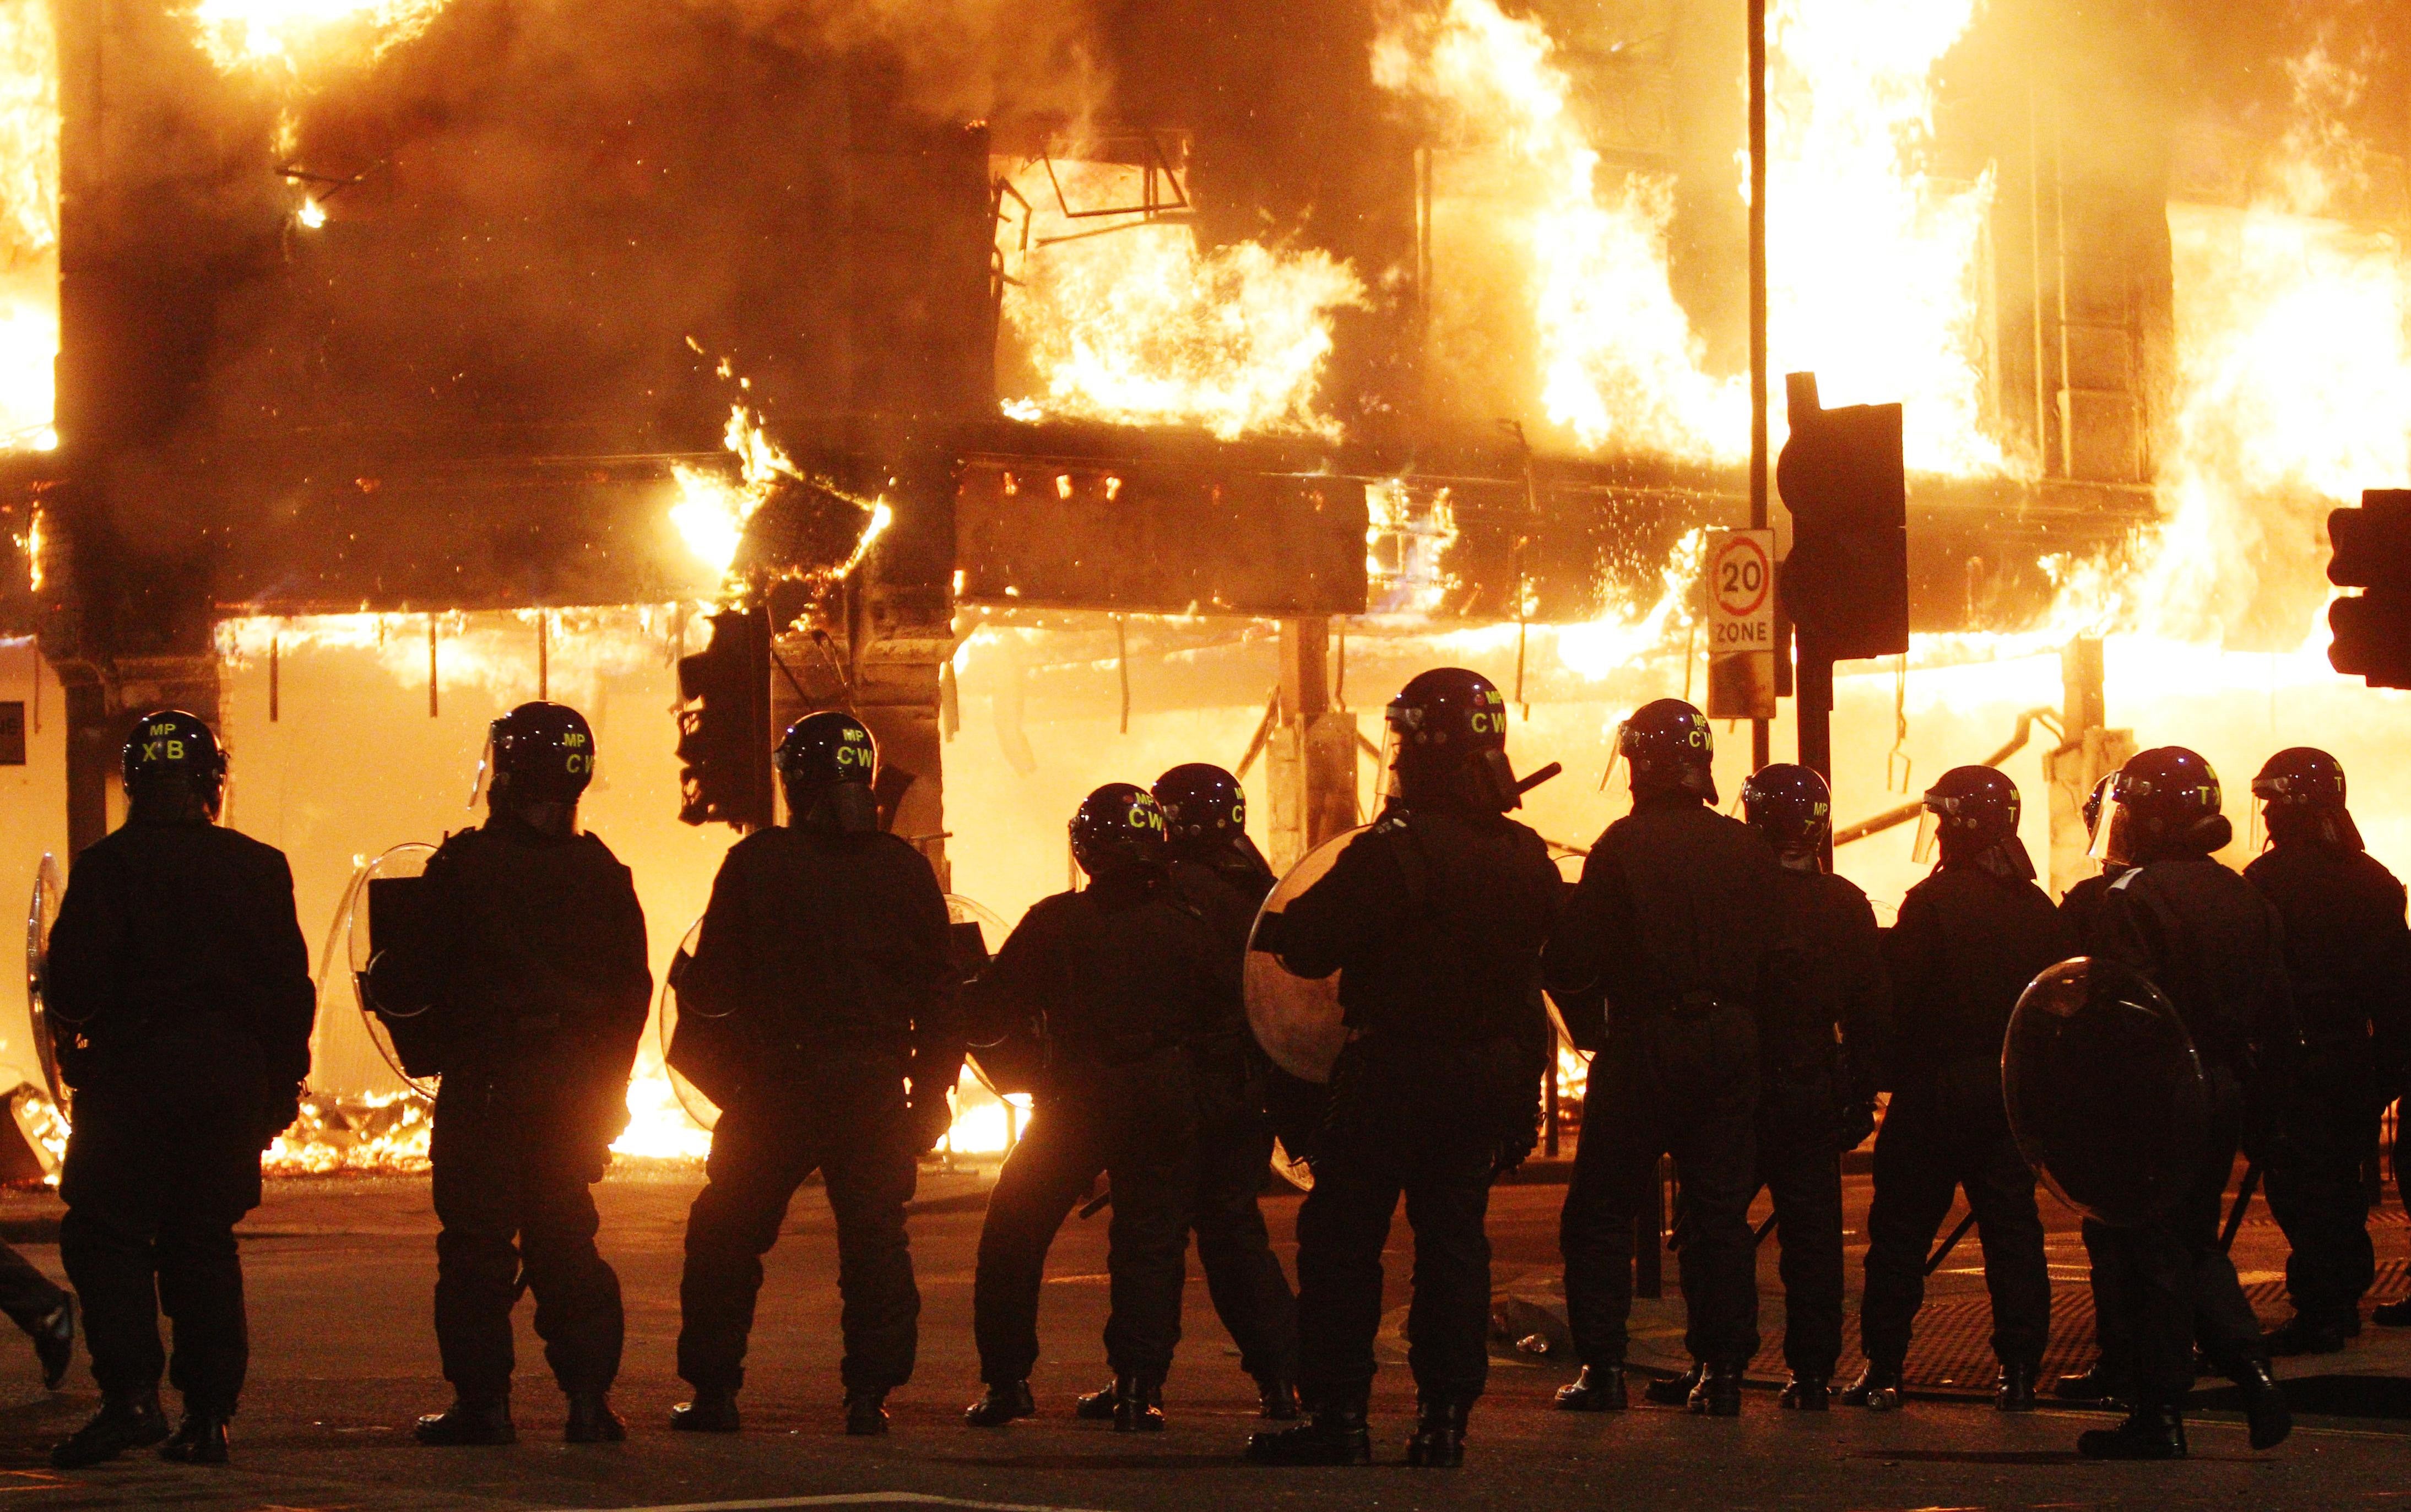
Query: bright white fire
{"x":712,"y":510}
{"x":1129,"y":320}
{"x":284,"y":33}
{"x":29,"y":223}
{"x":1872,"y":261}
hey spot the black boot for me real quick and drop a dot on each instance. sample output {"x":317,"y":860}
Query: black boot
{"x":1718,"y":1394}
{"x":1674,"y":1391}
{"x":591,"y":1420}
{"x":2154,"y":1431}
{"x":1807,"y":1393}
{"x":712,"y":1411}
{"x":467,"y":1424}
{"x":2264,"y":1406}
{"x":133,"y":1421}
{"x":865,"y":1413}
{"x":1095,"y":1406}
{"x":1001,"y":1405}
{"x":201,"y":1440}
{"x":2393,"y":1314}
{"x":1276,"y":1400}
{"x":54,"y":1341}
{"x":2013,"y":1390}
{"x":1139,"y":1405}
{"x":1597,"y":1389}
{"x":1439,"y":1441}
{"x":1878,"y":1388}
{"x":2300,"y":1335}
{"x":2100,"y":1384}
{"x":1333,"y":1436}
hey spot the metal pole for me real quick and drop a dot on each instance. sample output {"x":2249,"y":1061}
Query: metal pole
{"x":1759,"y":734}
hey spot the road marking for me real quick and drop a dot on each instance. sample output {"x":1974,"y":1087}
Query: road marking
{"x":853,"y":1499}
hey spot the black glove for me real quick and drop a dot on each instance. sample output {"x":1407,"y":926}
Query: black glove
{"x":1269,"y":930}
{"x":1514,"y":1147}
{"x":929,"y":1123}
{"x":1858,"y":1122}
{"x":279,"y":1111}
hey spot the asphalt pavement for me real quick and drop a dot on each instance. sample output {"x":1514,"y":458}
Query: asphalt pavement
{"x":340,"y":1272}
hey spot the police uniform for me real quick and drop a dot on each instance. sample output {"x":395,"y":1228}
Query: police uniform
{"x":1669,"y":925}
{"x":1825,"y":1039}
{"x":1130,"y":974}
{"x":824,"y":963}
{"x":178,"y":964}
{"x":2348,"y":960}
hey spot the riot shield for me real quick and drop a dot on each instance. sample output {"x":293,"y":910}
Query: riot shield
{"x":48,"y":1028}
{"x":1296,"y":1019}
{"x":703,"y":1050}
{"x":2104,"y":1092}
{"x":382,"y":908}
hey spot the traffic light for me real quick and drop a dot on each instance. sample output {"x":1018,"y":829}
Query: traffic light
{"x":2372,"y":552}
{"x":1846,"y":582}
{"x":723,"y":746}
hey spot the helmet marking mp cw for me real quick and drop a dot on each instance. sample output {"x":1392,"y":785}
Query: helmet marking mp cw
{"x":1116,"y":828}
{"x":540,"y":753}
{"x":828,"y":768}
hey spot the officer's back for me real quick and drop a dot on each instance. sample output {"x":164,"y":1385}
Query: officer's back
{"x":177,"y":931}
{"x":1969,"y":941}
{"x":835,"y":940}
{"x":1672,"y":909}
{"x":2344,"y":938}
{"x":1136,"y":962}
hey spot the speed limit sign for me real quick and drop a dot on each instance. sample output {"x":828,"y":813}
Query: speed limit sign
{"x":1741,"y":624}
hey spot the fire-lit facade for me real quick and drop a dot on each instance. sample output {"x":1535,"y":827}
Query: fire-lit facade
{"x":1044,"y":367}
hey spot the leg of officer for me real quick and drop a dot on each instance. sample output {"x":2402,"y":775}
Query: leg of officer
{"x":108,"y":1251}
{"x":2315,"y":1194}
{"x":1152,"y":1163}
{"x":1914,"y":1185}
{"x":579,"y":1313}
{"x":476,"y":1182}
{"x":1614,"y":1182}
{"x":1803,"y":1175}
{"x":757,"y":1161}
{"x":28,"y":1297}
{"x":1448,"y":1322}
{"x":871,"y":1170}
{"x":1341,"y":1226}
{"x":1711,"y":1061}
{"x":1047,"y":1173}
{"x":200,"y":1290}
{"x":2001,"y":1190}
{"x":1243,"y":1276}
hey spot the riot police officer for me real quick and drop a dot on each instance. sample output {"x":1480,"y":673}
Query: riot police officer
{"x":535,"y":966}
{"x":1669,"y":935}
{"x":178,"y":965}
{"x":1434,"y":918}
{"x":821,"y":986}
{"x":2214,"y":945}
{"x":1129,"y":976}
{"x":2111,"y":1378}
{"x":1969,"y":938}
{"x":1206,"y":826}
{"x":2348,"y":965}
{"x":1824,"y":1031}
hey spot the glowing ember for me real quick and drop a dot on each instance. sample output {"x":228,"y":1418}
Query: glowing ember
{"x":283,"y":34}
{"x":1134,"y":323}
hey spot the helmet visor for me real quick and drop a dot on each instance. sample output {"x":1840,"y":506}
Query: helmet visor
{"x":482,"y":784}
{"x":1385,"y":781}
{"x":1616,"y":765}
{"x":1929,"y":837}
{"x":2113,"y":839}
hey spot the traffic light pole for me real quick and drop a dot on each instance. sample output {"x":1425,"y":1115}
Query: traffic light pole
{"x":1759,"y":736}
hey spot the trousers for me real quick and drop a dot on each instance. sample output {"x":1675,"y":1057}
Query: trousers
{"x":1243,"y":1276}
{"x":1686,"y":1085}
{"x":1134,"y":1123}
{"x":853,"y":1129}
{"x":511,"y":1189}
{"x":2314,"y":1189}
{"x":1799,"y":1167}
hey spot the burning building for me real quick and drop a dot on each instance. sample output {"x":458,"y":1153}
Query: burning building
{"x":1073,"y":387}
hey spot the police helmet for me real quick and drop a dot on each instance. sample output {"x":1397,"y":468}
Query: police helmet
{"x":2302,"y":791}
{"x":2167,"y":799}
{"x":1448,"y":737}
{"x":541,"y":753}
{"x":171,"y":746}
{"x":1118,"y":827}
{"x":1670,"y":748}
{"x":1974,"y":808}
{"x":827,"y":764}
{"x":1202,"y":804}
{"x":1791,"y":806}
